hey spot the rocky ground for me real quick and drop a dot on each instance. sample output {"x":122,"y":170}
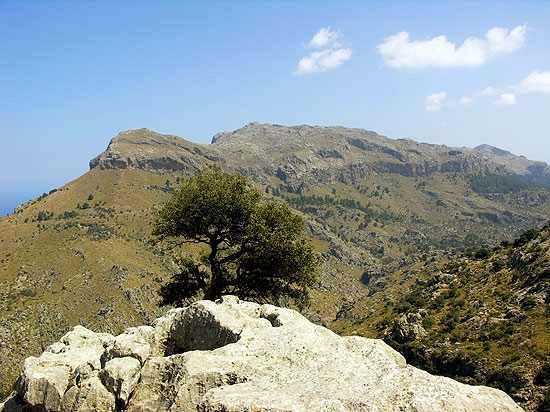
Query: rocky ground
{"x":235,"y":356}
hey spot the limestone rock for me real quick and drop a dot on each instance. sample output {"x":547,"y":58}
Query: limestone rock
{"x":120,"y":376}
{"x":88,"y":395}
{"x":135,"y":342}
{"x":45,"y":380}
{"x":408,"y":328}
{"x":237,"y":356}
{"x":301,"y":156}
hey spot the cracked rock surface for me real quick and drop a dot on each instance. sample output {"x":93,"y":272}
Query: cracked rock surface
{"x":235,"y":356}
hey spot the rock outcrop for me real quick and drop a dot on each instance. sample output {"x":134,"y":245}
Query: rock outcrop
{"x":408,"y":328}
{"x":234,"y":356}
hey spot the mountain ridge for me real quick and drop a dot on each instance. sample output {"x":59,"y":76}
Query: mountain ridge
{"x":331,"y":153}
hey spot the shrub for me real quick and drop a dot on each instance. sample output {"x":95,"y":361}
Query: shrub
{"x":526,"y":237}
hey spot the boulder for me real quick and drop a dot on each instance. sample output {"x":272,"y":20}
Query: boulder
{"x":120,"y":376}
{"x":237,"y":356}
{"x":408,"y":328}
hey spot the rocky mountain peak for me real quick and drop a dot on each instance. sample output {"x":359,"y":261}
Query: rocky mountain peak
{"x":536,"y":171}
{"x":235,"y":356}
{"x":486,"y":149}
{"x":149,"y":150}
{"x":144,"y":136}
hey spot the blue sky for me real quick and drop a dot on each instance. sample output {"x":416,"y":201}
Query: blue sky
{"x":73,"y":74}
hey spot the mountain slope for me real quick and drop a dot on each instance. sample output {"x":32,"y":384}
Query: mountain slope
{"x":373,"y":206}
{"x":481,"y":317}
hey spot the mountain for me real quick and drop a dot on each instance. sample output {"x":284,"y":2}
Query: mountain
{"x":238,"y":356}
{"x":373,"y":206}
{"x":519,"y":165}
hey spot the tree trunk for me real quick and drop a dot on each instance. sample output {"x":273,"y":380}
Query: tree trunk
{"x":216,"y":281}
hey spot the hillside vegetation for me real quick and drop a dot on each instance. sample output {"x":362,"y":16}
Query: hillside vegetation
{"x":482,"y":317}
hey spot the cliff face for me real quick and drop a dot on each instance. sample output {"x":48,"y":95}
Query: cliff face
{"x":235,"y":356}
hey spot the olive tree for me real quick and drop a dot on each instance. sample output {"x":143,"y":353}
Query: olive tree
{"x":254,"y":249}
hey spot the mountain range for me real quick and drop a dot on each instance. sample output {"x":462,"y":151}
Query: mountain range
{"x":385,"y":215}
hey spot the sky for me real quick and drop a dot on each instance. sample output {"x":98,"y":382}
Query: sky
{"x":73,"y":74}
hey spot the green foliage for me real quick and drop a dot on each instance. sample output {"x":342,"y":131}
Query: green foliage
{"x":438,"y":302}
{"x":508,"y":379}
{"x":529,"y":302}
{"x":42,"y":215}
{"x":428,"y":323}
{"x":90,"y":197}
{"x":403,"y":307}
{"x":526,"y":237}
{"x":505,"y":243}
{"x":67,"y":214}
{"x":99,"y":231}
{"x":29,"y":293}
{"x":383,"y":216}
{"x":493,"y":183}
{"x":256,"y":250}
{"x":498,"y":265}
{"x":482,"y":254}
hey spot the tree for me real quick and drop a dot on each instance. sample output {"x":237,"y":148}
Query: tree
{"x":254,"y":249}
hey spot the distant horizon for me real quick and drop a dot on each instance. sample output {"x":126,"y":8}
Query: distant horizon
{"x":9,"y":203}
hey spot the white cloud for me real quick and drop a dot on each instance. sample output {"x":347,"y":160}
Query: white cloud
{"x":321,"y":61}
{"x":325,"y":37}
{"x":535,"y":82}
{"x":398,"y":51}
{"x":506,"y":99}
{"x":435,"y":102}
{"x":488,"y":91}
{"x":330,"y":57}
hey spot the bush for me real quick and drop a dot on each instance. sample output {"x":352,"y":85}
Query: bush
{"x":526,"y":237}
{"x":498,"y":265}
{"x":403,"y":307}
{"x":482,"y":254}
{"x":508,"y":379}
{"x":529,"y":302}
{"x":505,"y":244}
